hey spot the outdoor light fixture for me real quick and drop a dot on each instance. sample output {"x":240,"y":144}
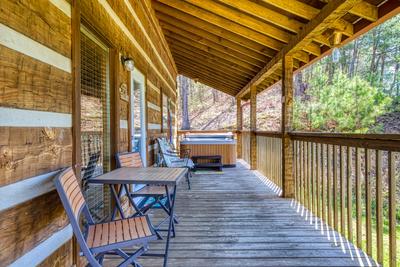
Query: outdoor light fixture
{"x":128,"y":63}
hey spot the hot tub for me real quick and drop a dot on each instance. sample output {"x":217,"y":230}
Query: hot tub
{"x":222,"y":144}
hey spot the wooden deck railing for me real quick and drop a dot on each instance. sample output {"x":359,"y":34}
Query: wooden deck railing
{"x":348,"y":180}
{"x":246,"y":146}
{"x":269,"y":155}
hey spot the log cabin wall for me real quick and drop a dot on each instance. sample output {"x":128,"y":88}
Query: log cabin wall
{"x":36,"y":111}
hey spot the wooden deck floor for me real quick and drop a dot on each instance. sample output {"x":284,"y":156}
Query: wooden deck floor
{"x":235,"y":219}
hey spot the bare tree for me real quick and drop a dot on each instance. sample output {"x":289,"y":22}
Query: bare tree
{"x":184,"y":83}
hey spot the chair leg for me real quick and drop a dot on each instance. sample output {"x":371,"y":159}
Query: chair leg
{"x":188,"y":179}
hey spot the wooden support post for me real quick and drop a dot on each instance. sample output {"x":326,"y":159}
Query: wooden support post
{"x":253,"y":127}
{"x":239,"y":126}
{"x":287,"y":109}
{"x":76,"y":106}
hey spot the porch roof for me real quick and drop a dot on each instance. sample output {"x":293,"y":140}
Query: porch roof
{"x":233,"y":45}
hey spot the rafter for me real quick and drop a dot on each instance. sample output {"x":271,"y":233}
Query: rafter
{"x":213,"y":84}
{"x":210,"y":73}
{"x":273,"y":17}
{"x":207,"y":59}
{"x":170,"y":29}
{"x":331,"y":13}
{"x":224,"y":23}
{"x":206,"y":26}
{"x":178,"y":26}
{"x":183,"y":48}
{"x":215,"y":70}
{"x":176,"y":38}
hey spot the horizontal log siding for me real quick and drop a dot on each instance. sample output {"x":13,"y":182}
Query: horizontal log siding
{"x":25,"y":152}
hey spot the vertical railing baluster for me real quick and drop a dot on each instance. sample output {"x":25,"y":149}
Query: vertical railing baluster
{"x":329,"y":182}
{"x":312,"y":177}
{"x":358,"y":199}
{"x":342,"y":192}
{"x":379,"y":206}
{"x":318,"y":177}
{"x":392,"y":209}
{"x":303,"y":171}
{"x":349,"y":195}
{"x":307,"y":191}
{"x":368,"y":201}
{"x":323,"y":177}
{"x":335,"y":190}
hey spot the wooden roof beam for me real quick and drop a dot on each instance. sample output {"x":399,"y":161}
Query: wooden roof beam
{"x":331,"y":12}
{"x":173,"y":31}
{"x":242,"y":18}
{"x":206,"y":26}
{"x":179,"y":25}
{"x":182,"y":49}
{"x":205,"y":62}
{"x":362,"y":9}
{"x":222,"y":74}
{"x":207,"y":75}
{"x":213,"y":52}
{"x":228,"y":90}
{"x":224,"y":23}
{"x":265,"y":14}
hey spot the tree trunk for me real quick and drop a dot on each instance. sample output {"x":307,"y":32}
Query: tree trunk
{"x":184,"y":83}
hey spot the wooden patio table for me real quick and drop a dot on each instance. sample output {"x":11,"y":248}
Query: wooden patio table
{"x":168,"y":177}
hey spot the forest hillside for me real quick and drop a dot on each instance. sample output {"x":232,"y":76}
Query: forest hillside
{"x":356,"y":89}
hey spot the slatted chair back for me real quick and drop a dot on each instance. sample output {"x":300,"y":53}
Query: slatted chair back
{"x":164,"y":152}
{"x":130,"y":159}
{"x":74,"y":203}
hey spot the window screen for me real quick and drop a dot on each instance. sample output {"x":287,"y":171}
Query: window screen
{"x":95,"y":122}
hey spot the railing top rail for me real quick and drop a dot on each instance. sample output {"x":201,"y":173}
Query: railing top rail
{"x":206,"y":131}
{"x":389,"y":142}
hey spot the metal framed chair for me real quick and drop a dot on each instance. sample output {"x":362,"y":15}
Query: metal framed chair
{"x":98,"y":240}
{"x":150,"y":196}
{"x":173,"y":160}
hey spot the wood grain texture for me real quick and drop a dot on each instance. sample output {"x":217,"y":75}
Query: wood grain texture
{"x":99,"y":18}
{"x":27,"y":152}
{"x":30,"y":84}
{"x":235,"y":219}
{"x":62,"y":257}
{"x":26,"y":225}
{"x":227,"y":151}
{"x":39,"y":20}
{"x":123,"y":140}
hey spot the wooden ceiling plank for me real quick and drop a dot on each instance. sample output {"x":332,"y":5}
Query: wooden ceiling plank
{"x":224,"y":23}
{"x":329,"y":14}
{"x":178,"y":24}
{"x":212,"y":84}
{"x":206,"y":61}
{"x":308,"y":12}
{"x":206,"y":42}
{"x":263,"y":13}
{"x":222,"y":74}
{"x":207,"y":76}
{"x":225,"y":75}
{"x":242,"y":18}
{"x":198,"y":54}
{"x":211,"y":51}
{"x":206,"y":26}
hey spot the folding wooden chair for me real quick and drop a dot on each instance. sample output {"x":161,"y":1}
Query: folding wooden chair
{"x":173,"y":160}
{"x":98,"y":240}
{"x":152,"y":196}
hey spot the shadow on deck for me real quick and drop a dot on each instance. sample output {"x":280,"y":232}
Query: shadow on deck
{"x":237,"y":219}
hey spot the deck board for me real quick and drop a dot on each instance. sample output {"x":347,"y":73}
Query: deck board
{"x":235,"y":219}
